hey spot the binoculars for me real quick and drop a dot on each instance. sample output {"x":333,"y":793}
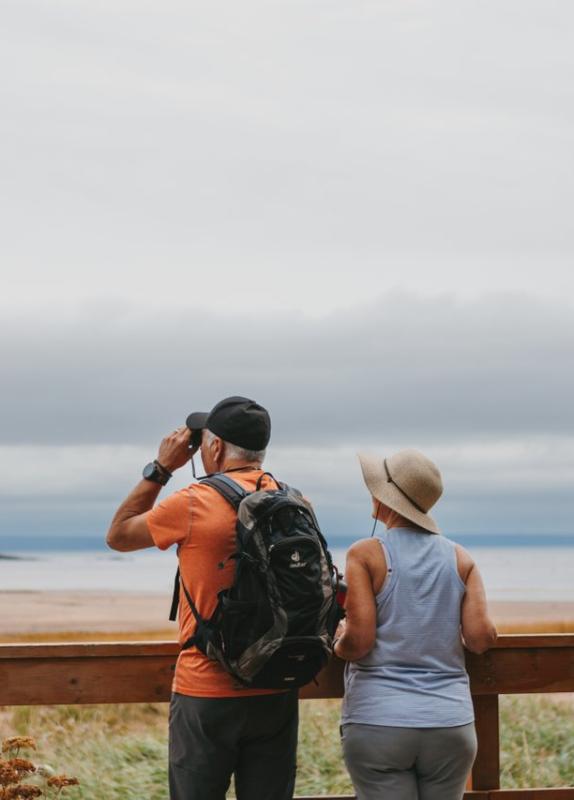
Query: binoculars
{"x":195,"y":440}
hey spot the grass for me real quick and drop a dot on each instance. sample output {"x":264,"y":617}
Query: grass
{"x":537,"y":740}
{"x":119,"y":752}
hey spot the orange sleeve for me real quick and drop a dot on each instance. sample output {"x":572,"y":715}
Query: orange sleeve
{"x":169,"y":522}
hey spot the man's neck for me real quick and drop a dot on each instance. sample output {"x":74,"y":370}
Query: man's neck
{"x":236,"y":464}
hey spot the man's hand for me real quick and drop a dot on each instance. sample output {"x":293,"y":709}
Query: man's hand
{"x":129,"y":530}
{"x":174,"y":450}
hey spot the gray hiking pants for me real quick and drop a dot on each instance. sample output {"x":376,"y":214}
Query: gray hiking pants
{"x":408,"y":763}
{"x":212,"y":738}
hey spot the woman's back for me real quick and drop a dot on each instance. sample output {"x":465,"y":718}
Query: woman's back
{"x":415,"y":675}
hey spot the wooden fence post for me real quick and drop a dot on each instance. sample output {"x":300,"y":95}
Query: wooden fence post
{"x":486,"y":769}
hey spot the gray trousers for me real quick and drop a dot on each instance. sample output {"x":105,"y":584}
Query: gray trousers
{"x":408,"y":763}
{"x":252,"y":738}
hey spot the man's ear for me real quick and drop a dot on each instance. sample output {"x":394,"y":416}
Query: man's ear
{"x":218,"y":451}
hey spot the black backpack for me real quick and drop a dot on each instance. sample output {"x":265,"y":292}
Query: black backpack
{"x":273,"y":628}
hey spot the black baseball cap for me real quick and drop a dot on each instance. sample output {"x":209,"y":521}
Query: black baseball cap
{"x":237,"y":420}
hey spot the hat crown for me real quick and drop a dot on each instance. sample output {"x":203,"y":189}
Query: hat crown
{"x":240,"y":421}
{"x":417,"y":477}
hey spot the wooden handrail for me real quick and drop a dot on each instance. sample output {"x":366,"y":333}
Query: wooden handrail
{"x":138,"y":672}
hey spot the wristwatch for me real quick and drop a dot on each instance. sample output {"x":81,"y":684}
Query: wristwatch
{"x":155,"y":472}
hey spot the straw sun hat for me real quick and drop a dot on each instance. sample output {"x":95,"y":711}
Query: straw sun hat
{"x":407,"y":482}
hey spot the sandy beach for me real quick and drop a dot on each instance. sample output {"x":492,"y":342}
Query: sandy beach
{"x":25,"y":614}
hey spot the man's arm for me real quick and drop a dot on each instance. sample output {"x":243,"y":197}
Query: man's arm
{"x":129,"y":530}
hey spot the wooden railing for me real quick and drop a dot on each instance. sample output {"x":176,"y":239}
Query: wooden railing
{"x":47,"y":674}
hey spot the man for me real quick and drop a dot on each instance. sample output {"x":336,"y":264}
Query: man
{"x":217,"y":728}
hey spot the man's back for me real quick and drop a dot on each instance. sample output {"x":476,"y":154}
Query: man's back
{"x":202,"y":523}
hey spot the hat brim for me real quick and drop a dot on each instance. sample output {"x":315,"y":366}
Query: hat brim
{"x":390,"y":495}
{"x":196,"y":421}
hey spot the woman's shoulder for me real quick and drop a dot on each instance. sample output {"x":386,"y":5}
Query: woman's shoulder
{"x":369,"y":553}
{"x":364,"y":548}
{"x":464,"y":561}
{"x":367,"y":556}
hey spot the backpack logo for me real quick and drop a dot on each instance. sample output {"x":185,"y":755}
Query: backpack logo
{"x":296,"y":560}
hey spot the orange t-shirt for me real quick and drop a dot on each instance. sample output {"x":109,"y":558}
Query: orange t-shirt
{"x":202,"y":523}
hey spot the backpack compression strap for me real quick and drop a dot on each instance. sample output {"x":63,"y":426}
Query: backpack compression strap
{"x":234,"y":494}
{"x":175,"y":598}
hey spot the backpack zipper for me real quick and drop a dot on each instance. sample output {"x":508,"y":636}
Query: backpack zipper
{"x":291,"y":541}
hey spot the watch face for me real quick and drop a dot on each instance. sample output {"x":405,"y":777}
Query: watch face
{"x":153,"y":472}
{"x":149,"y":471}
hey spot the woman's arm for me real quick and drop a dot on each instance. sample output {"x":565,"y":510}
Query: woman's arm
{"x":478,"y":629}
{"x":364,"y":574}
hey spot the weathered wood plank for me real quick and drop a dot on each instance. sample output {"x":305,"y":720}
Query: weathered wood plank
{"x":474,"y":795}
{"x":53,"y":681}
{"x":522,"y":670}
{"x":142,"y":671}
{"x":88,"y":650}
{"x":518,"y":640}
{"x":329,"y":682}
{"x":486,"y":768}
{"x":325,"y":797}
{"x":562,"y":793}
{"x":467,"y":796}
{"x":72,"y":649}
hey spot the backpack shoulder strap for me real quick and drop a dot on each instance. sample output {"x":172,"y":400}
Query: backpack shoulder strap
{"x":234,"y":494}
{"x":227,"y":488}
{"x":175,"y":598}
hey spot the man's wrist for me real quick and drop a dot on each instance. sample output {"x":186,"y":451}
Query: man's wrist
{"x":156,"y":473}
{"x":163,"y":469}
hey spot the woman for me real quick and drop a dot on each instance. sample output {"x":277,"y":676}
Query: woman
{"x":414,"y":599}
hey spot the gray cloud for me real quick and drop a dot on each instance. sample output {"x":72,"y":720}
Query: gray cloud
{"x":401,"y":367}
{"x":507,"y":486}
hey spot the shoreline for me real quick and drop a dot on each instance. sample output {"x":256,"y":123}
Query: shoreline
{"x":25,"y":615}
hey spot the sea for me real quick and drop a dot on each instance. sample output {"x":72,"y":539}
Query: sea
{"x":515,"y":567}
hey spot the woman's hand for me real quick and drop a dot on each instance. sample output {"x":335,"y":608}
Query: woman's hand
{"x":339,"y":633}
{"x":341,"y":627}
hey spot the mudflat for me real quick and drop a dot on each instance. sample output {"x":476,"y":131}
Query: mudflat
{"x":25,"y":613}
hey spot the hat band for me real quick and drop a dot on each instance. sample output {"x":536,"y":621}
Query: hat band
{"x":402,"y":491}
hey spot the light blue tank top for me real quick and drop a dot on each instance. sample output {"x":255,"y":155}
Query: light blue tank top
{"x":415,"y":676}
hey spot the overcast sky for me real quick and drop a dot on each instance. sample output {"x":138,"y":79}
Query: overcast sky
{"x":358,"y":213}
